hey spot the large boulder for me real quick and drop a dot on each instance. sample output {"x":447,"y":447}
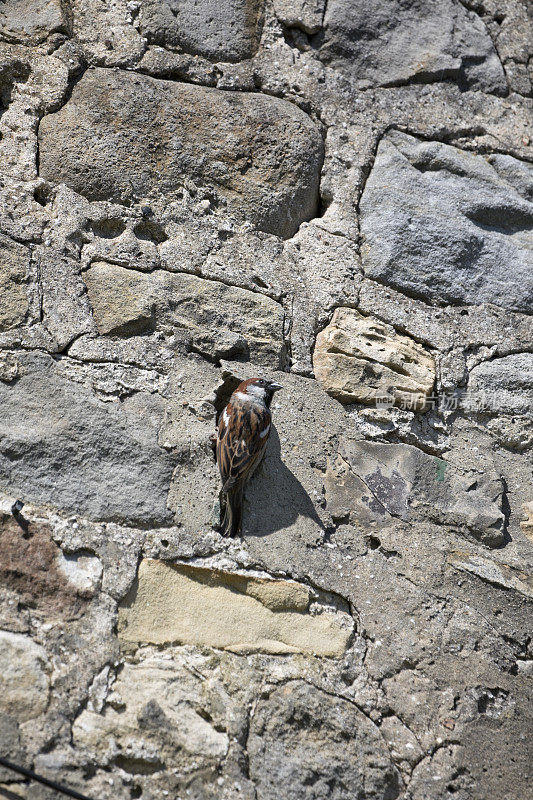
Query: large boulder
{"x":124,"y":136}
{"x":444,"y":225}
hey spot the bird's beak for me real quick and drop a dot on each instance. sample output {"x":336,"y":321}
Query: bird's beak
{"x":275,"y":387}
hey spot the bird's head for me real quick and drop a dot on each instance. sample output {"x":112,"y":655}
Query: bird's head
{"x":259,"y":389}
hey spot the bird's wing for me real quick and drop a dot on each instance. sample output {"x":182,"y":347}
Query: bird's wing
{"x":242,"y":438}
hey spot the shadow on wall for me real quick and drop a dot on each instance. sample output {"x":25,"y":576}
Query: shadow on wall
{"x":275,"y":499}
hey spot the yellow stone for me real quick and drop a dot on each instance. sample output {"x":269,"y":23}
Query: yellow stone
{"x":208,"y":607}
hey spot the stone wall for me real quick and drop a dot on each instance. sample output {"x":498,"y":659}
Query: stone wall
{"x":339,"y":196}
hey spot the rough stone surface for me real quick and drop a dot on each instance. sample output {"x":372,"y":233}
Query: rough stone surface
{"x":23,"y":679}
{"x":32,"y":565}
{"x":384,"y":480}
{"x":222,"y":32}
{"x":219,"y":321}
{"x":443,"y":224}
{"x":308,"y":739}
{"x":358,"y":359}
{"x":31,"y":21}
{"x":190,"y":194}
{"x":188,"y":605}
{"x":390,"y":42}
{"x":261,"y":156}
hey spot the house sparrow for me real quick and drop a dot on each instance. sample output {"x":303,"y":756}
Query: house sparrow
{"x":242,"y":435}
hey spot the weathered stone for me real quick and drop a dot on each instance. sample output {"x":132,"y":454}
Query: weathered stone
{"x":359,"y":359}
{"x":527,"y":524}
{"x":388,"y":42}
{"x":30,"y":565}
{"x":227,"y":31}
{"x":190,"y":605}
{"x":218,"y":321}
{"x":442,"y":224}
{"x":161,"y":63}
{"x":502,"y":385}
{"x":9,"y":367}
{"x":307,"y":15}
{"x":81,"y":570}
{"x":260,"y":155}
{"x":150,"y":721}
{"x":66,"y":312}
{"x":372,"y":482}
{"x":468,"y":327}
{"x":402,"y":743}
{"x":105,"y":32}
{"x":303,"y":743}
{"x":10,"y":744}
{"x":62,"y":446}
{"x":24,"y":681}
{"x":499,"y":574}
{"x":518,"y":173}
{"x":31,"y":21}
{"x":14,"y":266}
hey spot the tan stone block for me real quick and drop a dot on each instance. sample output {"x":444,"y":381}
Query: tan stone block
{"x":358,"y":359}
{"x":219,"y":321}
{"x":191,"y":605}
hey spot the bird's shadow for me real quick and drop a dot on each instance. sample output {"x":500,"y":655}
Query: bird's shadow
{"x":275,"y":498}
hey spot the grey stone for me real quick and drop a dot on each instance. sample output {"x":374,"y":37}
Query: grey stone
{"x":503,"y":385}
{"x":259,"y":155}
{"x":62,"y":446}
{"x":31,"y":21}
{"x":305,"y":744}
{"x":10,"y":744}
{"x":14,"y":273}
{"x":218,"y":321}
{"x":518,"y":173}
{"x":227,"y":31}
{"x":442,"y":224}
{"x":105,"y":32}
{"x":65,"y":308}
{"x":384,"y":480}
{"x":307,"y":15}
{"x":390,"y":42}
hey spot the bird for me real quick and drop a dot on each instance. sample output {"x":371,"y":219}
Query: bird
{"x":241,"y":439}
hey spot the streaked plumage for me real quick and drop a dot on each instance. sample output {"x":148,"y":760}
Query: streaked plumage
{"x":243,"y":431}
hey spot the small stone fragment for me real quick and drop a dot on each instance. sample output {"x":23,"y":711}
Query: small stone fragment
{"x":14,"y":265}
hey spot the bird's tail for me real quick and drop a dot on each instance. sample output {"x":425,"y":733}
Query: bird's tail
{"x":231,"y":524}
